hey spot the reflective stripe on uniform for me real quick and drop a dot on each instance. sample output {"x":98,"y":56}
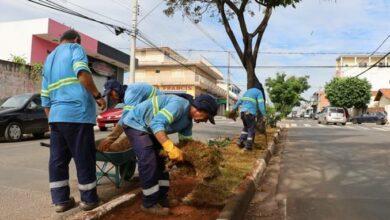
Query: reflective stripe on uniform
{"x":163,"y":182}
{"x":153,"y":93}
{"x":58,"y":184}
{"x":249,"y":139}
{"x":62,"y":82}
{"x":183,"y":137}
{"x":260,"y":100}
{"x":151,"y":190}
{"x":80,"y":64}
{"x":243,"y":132}
{"x":128,"y":107}
{"x":167,"y":114}
{"x":45,"y":93}
{"x":85,"y":187}
{"x":248,"y":99}
{"x":155,"y":105}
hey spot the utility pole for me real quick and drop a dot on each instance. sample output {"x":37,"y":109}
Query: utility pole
{"x":133,"y":39}
{"x":228,"y":84}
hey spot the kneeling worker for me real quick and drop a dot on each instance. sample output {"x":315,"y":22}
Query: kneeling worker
{"x":147,"y":126}
{"x":251,"y":104}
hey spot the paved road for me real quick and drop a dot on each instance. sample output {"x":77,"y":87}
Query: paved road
{"x":24,"y":192}
{"x":336,"y":172}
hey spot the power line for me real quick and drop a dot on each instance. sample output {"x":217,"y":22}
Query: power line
{"x":150,"y":12}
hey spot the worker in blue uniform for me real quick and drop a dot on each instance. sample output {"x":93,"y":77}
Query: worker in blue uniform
{"x":69,"y":97}
{"x":130,"y":95}
{"x":251,"y":105}
{"x":147,"y":127}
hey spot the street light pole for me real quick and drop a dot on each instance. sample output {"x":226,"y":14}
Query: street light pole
{"x":133,"y":39}
{"x":228,"y":84}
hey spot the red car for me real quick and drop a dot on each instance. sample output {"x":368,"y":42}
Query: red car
{"x":110,"y":117}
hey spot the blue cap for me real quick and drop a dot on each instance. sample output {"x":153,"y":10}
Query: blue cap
{"x":208,"y":104}
{"x":112,"y":84}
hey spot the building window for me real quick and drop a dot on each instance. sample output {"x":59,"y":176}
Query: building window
{"x":157,"y":71}
{"x":363,"y":64}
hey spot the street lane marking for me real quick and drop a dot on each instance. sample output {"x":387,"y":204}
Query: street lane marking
{"x":307,"y":125}
{"x":294,"y":125}
{"x":350,"y":127}
{"x":363,"y":128}
{"x":320,"y":125}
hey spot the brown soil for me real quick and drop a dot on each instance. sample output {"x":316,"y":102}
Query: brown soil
{"x":232,"y":167}
{"x":180,"y":186}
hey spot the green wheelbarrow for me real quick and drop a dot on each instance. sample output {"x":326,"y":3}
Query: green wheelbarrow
{"x":122,"y":163}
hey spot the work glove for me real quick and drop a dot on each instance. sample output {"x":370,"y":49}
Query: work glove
{"x":173,"y":152}
{"x":232,"y":115}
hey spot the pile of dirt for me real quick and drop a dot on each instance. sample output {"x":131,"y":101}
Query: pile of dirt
{"x":116,"y":141}
{"x":203,"y":158}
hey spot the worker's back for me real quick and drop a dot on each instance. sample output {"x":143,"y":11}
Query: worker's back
{"x":167,"y":113}
{"x":68,"y":100}
{"x":252,"y":101}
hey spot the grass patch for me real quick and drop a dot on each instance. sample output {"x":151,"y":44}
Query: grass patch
{"x":233,"y":165}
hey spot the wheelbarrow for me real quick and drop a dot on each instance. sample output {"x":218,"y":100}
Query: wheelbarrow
{"x":122,"y":164}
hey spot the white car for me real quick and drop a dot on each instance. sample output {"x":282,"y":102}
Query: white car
{"x":332,"y":115}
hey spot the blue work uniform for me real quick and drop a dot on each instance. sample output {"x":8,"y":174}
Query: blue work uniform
{"x":135,"y":94}
{"x":168,"y":113}
{"x":72,"y":117}
{"x":250,"y":104}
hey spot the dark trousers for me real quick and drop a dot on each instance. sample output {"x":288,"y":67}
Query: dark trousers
{"x":151,"y":166}
{"x":77,"y":141}
{"x":248,"y":132}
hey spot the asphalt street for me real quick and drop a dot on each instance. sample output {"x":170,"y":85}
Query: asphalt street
{"x":335,"y":172}
{"x":24,"y":187}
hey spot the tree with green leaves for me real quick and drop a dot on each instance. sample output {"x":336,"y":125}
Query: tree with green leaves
{"x":230,"y":12}
{"x":285,"y":93}
{"x":348,"y":92}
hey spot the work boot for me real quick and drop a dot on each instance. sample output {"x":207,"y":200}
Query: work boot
{"x":247,"y":149}
{"x":156,"y":210}
{"x":63,"y":207}
{"x":85,"y":206}
{"x":168,"y":203}
{"x":240,"y":144}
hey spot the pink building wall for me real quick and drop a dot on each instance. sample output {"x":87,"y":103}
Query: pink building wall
{"x":56,"y":29}
{"x":39,"y":49}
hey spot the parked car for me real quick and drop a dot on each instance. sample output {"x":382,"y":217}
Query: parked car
{"x":333,"y":115}
{"x":379,"y":118}
{"x":22,"y":114}
{"x":110,"y":117}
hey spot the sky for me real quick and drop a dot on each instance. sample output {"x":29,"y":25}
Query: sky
{"x":313,"y":26}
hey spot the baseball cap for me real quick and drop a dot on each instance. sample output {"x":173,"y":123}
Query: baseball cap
{"x":111,"y":84}
{"x":208,"y":104}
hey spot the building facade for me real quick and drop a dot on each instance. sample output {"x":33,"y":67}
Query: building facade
{"x":173,"y":73}
{"x":35,"y":39}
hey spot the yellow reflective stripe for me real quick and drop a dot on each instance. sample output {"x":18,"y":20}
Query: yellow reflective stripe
{"x":183,"y":137}
{"x":167,"y":114}
{"x":128,"y":107}
{"x":62,"y":82}
{"x":260,"y":100}
{"x":44,"y":93}
{"x":248,"y":99}
{"x":155,"y":105}
{"x":153,"y":93}
{"x":80,"y":64}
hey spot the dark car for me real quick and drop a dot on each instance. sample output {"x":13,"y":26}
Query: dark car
{"x":379,"y":118}
{"x":22,"y":114}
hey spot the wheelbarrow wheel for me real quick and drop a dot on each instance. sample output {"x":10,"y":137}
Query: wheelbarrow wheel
{"x":127,"y":170}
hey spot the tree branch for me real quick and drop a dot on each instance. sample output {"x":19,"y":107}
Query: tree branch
{"x":260,"y":3}
{"x":229,"y":31}
{"x":243,"y":5}
{"x":232,"y":6}
{"x":260,"y":32}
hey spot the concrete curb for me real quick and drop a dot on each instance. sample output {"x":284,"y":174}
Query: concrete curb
{"x":237,"y":206}
{"x":106,"y":207}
